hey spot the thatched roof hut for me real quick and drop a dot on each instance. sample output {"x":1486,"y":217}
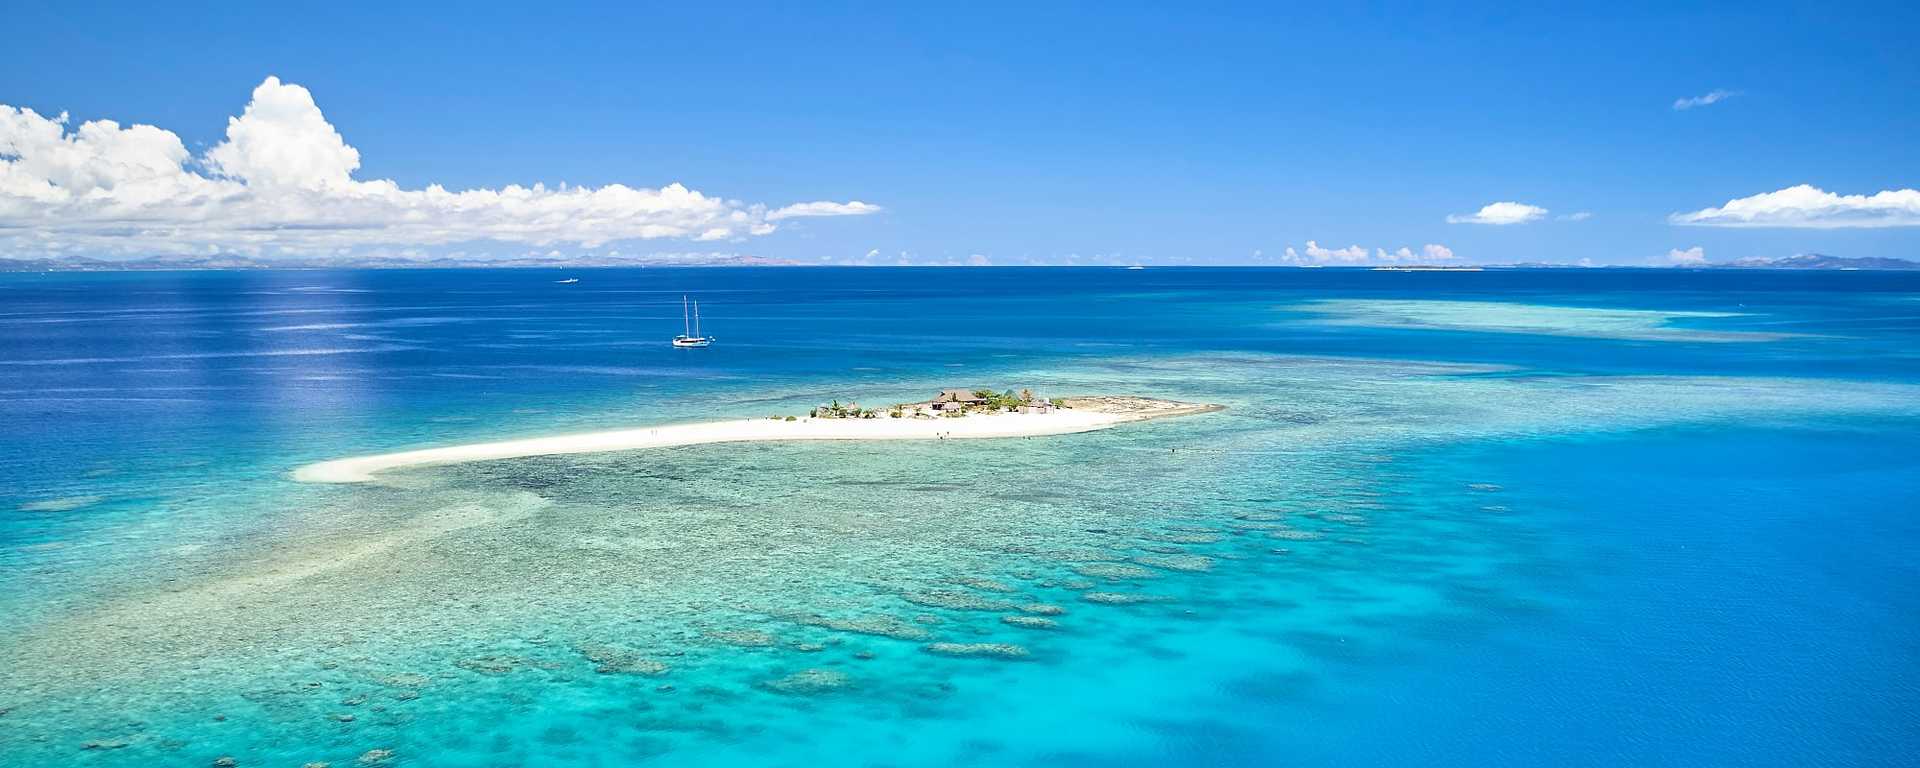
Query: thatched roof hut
{"x":958,"y":396}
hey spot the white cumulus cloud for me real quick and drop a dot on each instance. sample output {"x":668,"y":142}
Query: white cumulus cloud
{"x":1428,"y":253}
{"x":1809,"y":207}
{"x":1694,"y":255}
{"x":1500,"y":214}
{"x":1319,"y":255}
{"x":1711,"y":97}
{"x":282,"y":182}
{"x":1355,"y":255}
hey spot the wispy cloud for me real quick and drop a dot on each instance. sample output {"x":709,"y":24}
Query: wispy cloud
{"x":282,"y":182}
{"x":1808,"y":207}
{"x":1575,"y":216}
{"x":1500,"y":214}
{"x":1709,"y":98}
{"x":798,"y":210}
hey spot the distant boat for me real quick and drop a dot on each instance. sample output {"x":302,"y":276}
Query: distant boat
{"x":690,"y":337}
{"x":1136,"y":266}
{"x":568,"y":281}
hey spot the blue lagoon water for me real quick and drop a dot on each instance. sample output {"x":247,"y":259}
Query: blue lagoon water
{"x":1584,"y":517}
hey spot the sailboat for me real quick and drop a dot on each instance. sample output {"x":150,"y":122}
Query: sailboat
{"x":690,"y":337}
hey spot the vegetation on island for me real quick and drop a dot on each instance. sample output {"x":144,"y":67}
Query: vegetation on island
{"x":1012,"y":401}
{"x":838,"y":411}
{"x":951,"y":403}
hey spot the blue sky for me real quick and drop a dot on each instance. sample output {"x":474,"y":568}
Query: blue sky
{"x":1099,"y":133}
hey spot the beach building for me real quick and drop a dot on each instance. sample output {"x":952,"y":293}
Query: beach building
{"x":955,"y":400}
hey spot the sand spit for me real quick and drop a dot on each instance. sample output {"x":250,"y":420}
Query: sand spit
{"x":1085,"y":414}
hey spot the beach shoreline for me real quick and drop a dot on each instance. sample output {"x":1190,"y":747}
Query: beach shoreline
{"x":1086,"y":414}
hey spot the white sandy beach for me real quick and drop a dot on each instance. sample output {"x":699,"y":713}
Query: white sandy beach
{"x":1089,"y":414}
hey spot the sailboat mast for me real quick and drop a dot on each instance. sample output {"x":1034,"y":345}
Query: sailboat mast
{"x":696,"y":319}
{"x":686,"y":326}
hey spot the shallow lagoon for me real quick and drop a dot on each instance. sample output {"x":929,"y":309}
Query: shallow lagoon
{"x":1358,"y":540}
{"x":1540,"y":319}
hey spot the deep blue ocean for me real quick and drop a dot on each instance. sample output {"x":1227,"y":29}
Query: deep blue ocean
{"x":1502,"y":518}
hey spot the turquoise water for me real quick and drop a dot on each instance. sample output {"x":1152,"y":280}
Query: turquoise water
{"x":1591,"y":517}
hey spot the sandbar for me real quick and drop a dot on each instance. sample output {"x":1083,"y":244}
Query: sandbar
{"x":1085,"y":414}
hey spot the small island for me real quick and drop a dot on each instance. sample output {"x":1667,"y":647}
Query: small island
{"x":954,"y":414}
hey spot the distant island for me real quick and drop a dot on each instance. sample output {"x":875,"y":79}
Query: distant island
{"x":1819,"y":261}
